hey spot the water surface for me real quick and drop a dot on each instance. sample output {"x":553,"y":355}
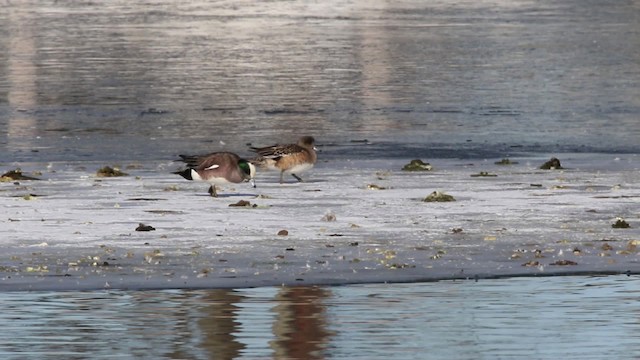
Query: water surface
{"x":540,"y":318}
{"x":78,"y":80}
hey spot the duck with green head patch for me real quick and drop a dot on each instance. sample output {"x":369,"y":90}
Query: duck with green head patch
{"x":217,"y":168}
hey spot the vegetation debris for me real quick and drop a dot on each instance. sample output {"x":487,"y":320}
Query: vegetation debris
{"x":438,"y":196}
{"x":243,"y":203}
{"x":620,"y":224}
{"x":505,"y":161}
{"x":552,"y":164}
{"x":143,"y":227}
{"x":375,"y":187}
{"x":14,"y":175}
{"x":109,"y":171}
{"x":531,"y":263}
{"x":564,"y":263}
{"x":417,"y":165}
{"x":483,"y":174}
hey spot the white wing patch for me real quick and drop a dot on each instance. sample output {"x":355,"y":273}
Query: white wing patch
{"x":214,"y":166}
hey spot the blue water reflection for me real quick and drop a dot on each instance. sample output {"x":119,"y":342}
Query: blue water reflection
{"x":78,"y":80}
{"x":542,"y":318}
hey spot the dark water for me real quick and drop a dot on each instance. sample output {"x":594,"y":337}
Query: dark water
{"x":543,"y":318}
{"x":150,"y":79}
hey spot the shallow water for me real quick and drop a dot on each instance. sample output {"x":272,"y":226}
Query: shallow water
{"x":438,"y":79}
{"x":541,"y":318}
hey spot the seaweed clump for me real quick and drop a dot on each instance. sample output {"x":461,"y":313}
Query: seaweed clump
{"x":552,"y":164}
{"x":108,"y":171}
{"x":505,"y":161}
{"x":417,"y":165}
{"x":483,"y":174}
{"x":143,"y":227}
{"x":438,"y":196}
{"x":243,"y":203}
{"x":620,"y":224}
{"x":14,"y":175}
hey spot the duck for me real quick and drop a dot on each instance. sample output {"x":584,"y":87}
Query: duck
{"x":288,"y":158}
{"x":218,"y":168}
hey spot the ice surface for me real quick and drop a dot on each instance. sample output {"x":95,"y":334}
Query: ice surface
{"x":351,"y":221}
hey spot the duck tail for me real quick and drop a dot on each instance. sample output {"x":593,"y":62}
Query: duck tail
{"x":186,"y":173}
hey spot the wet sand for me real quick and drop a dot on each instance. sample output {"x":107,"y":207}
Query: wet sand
{"x":351,"y":221}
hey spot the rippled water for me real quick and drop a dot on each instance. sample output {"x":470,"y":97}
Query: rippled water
{"x":541,"y":318}
{"x":440,"y":78}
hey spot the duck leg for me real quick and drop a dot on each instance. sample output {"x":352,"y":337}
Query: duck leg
{"x":297,"y":177}
{"x":212,"y":191}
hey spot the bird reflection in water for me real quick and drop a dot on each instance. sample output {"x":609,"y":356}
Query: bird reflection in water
{"x":301,"y":323}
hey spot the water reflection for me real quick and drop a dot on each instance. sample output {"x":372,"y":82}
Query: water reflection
{"x":21,"y":76}
{"x":446,"y":73}
{"x":301,"y":323}
{"x":543,"y":318}
{"x":218,"y":324}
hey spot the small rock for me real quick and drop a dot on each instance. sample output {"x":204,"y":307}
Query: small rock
{"x":143,"y":227}
{"x":438,"y":196}
{"x":417,"y":165}
{"x":283,"y":233}
{"x":552,"y":164}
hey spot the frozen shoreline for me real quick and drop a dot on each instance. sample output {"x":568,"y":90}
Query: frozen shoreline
{"x":73,"y":230}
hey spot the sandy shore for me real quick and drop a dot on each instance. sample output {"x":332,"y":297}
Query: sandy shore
{"x":350,"y":222}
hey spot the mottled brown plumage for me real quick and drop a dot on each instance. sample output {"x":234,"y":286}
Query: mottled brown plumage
{"x":291,"y":158}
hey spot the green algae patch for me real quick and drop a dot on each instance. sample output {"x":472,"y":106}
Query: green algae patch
{"x":417,"y":165}
{"x":438,"y":196}
{"x":620,"y":224}
{"x":109,"y":171}
{"x":15,"y":175}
